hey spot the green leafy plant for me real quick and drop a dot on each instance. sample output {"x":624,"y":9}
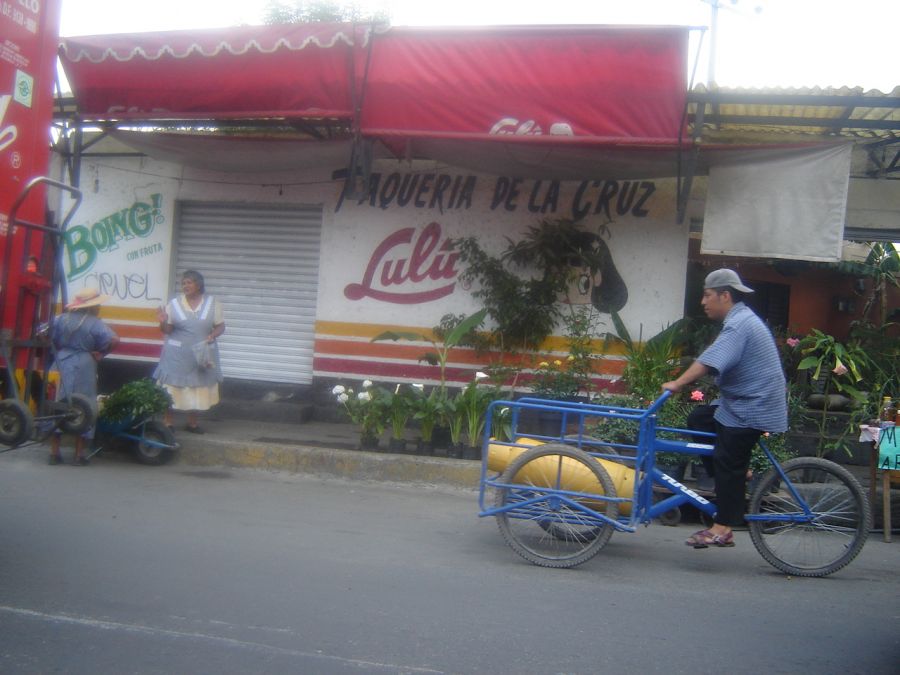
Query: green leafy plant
{"x":650,"y":363}
{"x":368,"y":408}
{"x":522,"y":287}
{"x":441,"y":352}
{"x":428,"y":410}
{"x":475,"y":400}
{"x":501,"y":423}
{"x":571,"y":376}
{"x":455,"y":415}
{"x":400,"y":407}
{"x":838,"y":367}
{"x":136,"y":400}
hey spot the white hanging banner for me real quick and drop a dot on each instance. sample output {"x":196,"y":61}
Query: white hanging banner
{"x":789,"y":207}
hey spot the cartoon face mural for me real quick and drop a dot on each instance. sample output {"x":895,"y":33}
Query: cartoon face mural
{"x":598,"y":283}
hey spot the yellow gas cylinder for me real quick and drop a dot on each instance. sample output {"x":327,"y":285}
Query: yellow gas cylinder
{"x":575,"y":476}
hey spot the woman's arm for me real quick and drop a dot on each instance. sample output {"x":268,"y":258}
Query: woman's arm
{"x":163,"y":317}
{"x":216,"y":332}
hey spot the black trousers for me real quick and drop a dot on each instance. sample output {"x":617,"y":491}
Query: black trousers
{"x":728,"y":464}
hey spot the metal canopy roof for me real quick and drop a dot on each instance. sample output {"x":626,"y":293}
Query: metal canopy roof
{"x":870,"y":119}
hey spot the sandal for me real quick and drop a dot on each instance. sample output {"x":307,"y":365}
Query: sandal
{"x":705,"y":539}
{"x":54,"y":460}
{"x":81,"y":461}
{"x":194,"y":429}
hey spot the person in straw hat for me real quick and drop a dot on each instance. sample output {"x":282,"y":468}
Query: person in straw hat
{"x":81,"y":339}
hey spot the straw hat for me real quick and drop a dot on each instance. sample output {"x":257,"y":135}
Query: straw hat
{"x":87,"y":297}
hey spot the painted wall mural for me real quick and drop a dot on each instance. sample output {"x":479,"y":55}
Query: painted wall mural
{"x":395,"y":267}
{"x":123,"y":251}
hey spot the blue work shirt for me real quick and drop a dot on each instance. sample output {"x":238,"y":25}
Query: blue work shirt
{"x":748,"y":373}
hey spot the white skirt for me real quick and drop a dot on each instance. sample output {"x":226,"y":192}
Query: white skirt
{"x":193,"y":398}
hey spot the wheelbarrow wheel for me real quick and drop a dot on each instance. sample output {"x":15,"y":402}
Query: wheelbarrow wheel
{"x":156,"y":445}
{"x":16,"y":423}
{"x":79,"y":414}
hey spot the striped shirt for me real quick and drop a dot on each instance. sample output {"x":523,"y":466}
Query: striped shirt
{"x":748,"y":373}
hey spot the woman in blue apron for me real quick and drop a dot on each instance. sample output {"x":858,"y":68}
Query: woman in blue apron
{"x":189,"y":366}
{"x":80,"y":339}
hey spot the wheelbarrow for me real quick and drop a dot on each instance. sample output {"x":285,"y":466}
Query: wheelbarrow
{"x":150,"y":441}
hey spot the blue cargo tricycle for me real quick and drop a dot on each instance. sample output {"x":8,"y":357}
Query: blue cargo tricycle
{"x":559,"y":494}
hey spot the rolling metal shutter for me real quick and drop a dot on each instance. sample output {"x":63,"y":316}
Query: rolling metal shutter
{"x":262,"y":263}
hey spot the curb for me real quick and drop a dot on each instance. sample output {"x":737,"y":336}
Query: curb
{"x":333,"y":462}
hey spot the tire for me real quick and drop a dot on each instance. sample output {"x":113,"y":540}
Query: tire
{"x":16,"y":422}
{"x":588,"y":534}
{"x":551,"y":532}
{"x":79,"y":414}
{"x":153,"y":455}
{"x":835,"y":534}
{"x":670,"y":518}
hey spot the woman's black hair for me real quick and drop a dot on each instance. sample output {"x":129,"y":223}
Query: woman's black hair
{"x":612,"y":293}
{"x":197,"y":277}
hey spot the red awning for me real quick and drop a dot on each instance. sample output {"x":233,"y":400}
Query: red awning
{"x":297,"y":70}
{"x":595,"y":83}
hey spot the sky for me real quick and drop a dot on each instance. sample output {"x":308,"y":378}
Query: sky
{"x":759,"y":43}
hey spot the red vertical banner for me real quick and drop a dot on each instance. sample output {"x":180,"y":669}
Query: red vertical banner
{"x":29,"y":32}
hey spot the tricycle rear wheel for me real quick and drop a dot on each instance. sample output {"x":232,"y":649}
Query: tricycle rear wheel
{"x":157,"y":444}
{"x":546,"y":521}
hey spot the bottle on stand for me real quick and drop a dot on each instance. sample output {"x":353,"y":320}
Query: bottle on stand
{"x":889,"y":412}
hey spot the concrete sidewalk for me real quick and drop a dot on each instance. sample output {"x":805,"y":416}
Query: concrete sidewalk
{"x":313,"y":447}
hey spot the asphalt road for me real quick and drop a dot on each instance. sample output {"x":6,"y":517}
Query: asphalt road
{"x":121,"y":568}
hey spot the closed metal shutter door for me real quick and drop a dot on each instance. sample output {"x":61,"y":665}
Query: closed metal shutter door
{"x":262,"y":263}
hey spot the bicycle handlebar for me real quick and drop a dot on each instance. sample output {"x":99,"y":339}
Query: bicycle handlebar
{"x":657,"y":404}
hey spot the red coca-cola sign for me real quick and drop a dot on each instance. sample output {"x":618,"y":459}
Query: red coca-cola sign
{"x":29,"y":31}
{"x":403,"y":263}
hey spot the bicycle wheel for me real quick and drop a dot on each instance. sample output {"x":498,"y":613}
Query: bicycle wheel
{"x":822,"y":544}
{"x":153,"y":453}
{"x":549,"y":528}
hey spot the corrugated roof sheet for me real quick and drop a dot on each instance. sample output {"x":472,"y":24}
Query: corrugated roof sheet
{"x":739,"y":114}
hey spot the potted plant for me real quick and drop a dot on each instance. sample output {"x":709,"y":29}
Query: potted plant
{"x":400,"y":408}
{"x":427,"y":411}
{"x":475,"y":400}
{"x":367,"y":408}
{"x":455,"y":415}
{"x":836,"y":367}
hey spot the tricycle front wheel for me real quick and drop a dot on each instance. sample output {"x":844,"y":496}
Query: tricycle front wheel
{"x":156,"y":445}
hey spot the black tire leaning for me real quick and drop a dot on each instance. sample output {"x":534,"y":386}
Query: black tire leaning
{"x":154,"y":455}
{"x":834,"y":537}
{"x":79,"y":415}
{"x":549,"y":547}
{"x":16,"y":422}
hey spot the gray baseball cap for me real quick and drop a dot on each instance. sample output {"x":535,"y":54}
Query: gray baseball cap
{"x":726,"y":277}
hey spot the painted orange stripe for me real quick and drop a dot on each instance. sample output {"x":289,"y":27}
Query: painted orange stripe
{"x":112,"y":313}
{"x":142,"y":332}
{"x":368,"y":331}
{"x":399,"y":350}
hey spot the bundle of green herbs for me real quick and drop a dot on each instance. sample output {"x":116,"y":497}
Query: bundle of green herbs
{"x":136,"y":400}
